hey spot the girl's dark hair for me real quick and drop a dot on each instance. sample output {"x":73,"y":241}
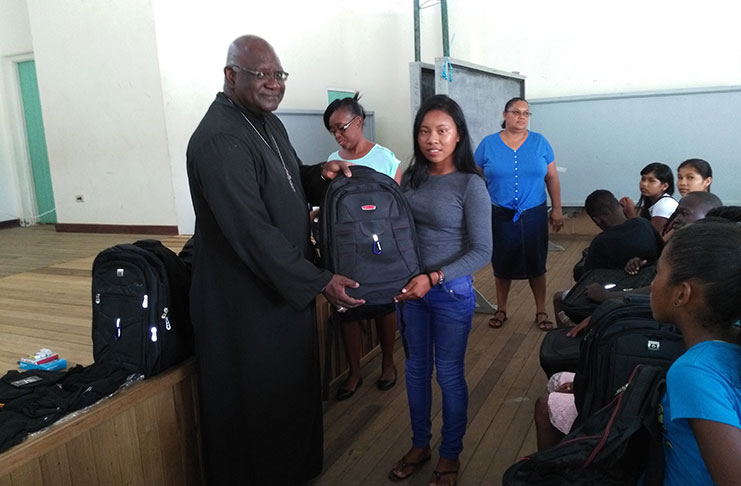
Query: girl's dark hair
{"x":350,"y":104}
{"x":709,"y":253}
{"x":509,"y":104}
{"x":730,"y":213}
{"x":419,"y":170}
{"x":701,"y":166}
{"x":664,"y":174}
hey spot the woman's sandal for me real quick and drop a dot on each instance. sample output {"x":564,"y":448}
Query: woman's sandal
{"x":437,"y":475}
{"x":546,"y":324}
{"x":500,"y":317}
{"x":403,"y":464}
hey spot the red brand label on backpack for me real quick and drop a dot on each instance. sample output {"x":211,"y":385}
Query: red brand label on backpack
{"x":368,"y":207}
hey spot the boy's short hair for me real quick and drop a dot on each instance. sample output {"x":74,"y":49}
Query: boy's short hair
{"x":707,"y":198}
{"x":600,"y":203}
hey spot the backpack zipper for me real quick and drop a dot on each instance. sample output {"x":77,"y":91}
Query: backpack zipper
{"x":614,"y":414}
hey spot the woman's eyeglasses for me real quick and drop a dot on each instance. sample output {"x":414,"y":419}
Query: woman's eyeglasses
{"x":344,"y":127}
{"x":518,"y":113}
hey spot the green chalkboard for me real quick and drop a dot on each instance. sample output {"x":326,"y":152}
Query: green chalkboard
{"x":338,"y":94}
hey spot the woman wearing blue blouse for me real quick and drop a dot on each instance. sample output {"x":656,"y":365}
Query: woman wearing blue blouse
{"x":519,"y":167}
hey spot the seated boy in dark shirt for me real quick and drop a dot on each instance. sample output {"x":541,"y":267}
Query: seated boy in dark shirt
{"x":621,"y":239}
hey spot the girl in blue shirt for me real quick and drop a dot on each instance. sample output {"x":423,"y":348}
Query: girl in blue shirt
{"x":698,"y":287}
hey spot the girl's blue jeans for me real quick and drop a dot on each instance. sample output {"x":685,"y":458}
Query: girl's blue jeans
{"x":435,"y":329}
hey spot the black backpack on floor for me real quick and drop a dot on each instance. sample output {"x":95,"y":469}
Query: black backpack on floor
{"x":614,"y":446}
{"x":561,"y":353}
{"x":367,"y":234}
{"x":141,"y":317}
{"x":578,"y":306}
{"x":621,"y":335}
{"x":558,"y":352}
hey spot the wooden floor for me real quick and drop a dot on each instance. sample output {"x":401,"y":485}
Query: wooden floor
{"x":45,"y":302}
{"x":45,"y":296}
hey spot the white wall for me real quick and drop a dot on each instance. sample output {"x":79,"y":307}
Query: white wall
{"x":101,"y":98}
{"x":322,"y":44}
{"x":124,"y":82}
{"x":581,"y":47}
{"x":15,"y":44}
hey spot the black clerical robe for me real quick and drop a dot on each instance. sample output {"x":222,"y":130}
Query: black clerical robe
{"x":252,"y":301}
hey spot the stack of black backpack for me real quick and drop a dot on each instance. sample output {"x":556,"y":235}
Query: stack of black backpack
{"x":559,"y":352}
{"x":620,"y":369}
{"x":616,"y":445}
{"x":34,"y":399}
{"x":141,"y":316}
{"x":578,"y":306}
{"x":141,"y":326}
{"x":622,"y":335}
{"x":614,"y":321}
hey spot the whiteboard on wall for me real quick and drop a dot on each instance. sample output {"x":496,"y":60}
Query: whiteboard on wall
{"x":603,"y":142}
{"x":312,"y":141}
{"x":480,"y":91}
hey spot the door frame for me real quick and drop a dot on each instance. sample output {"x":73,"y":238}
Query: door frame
{"x":19,"y":141}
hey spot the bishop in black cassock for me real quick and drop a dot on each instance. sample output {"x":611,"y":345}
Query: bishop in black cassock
{"x":254,"y":284}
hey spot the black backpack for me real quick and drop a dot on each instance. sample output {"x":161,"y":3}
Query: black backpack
{"x":578,"y":306}
{"x":186,"y":254}
{"x":561,"y":353}
{"x":558,"y":352}
{"x":621,"y":335}
{"x":614,"y":446}
{"x":141,"y":318}
{"x":367,"y":234}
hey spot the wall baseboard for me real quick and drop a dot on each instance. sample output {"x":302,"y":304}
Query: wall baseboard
{"x":12,"y":223}
{"x":116,"y":229}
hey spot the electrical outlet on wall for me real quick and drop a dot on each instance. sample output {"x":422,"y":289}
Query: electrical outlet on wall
{"x":79,"y":198}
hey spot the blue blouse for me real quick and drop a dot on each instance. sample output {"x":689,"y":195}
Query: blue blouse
{"x":704,"y":383}
{"x":515,"y":178}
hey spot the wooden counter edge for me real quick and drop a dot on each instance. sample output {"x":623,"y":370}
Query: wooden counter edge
{"x":61,"y":433}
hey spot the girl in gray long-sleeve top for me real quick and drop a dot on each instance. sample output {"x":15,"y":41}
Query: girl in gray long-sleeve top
{"x":452,"y":215}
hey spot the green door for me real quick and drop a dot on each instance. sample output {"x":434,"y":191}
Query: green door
{"x":36,"y":142}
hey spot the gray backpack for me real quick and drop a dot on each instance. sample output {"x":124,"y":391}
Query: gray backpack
{"x":367,"y":234}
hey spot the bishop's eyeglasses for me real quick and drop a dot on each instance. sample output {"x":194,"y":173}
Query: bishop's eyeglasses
{"x":277,"y":75}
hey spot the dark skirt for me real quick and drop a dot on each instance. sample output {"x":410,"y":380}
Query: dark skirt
{"x":367,"y":311}
{"x":520,"y":247}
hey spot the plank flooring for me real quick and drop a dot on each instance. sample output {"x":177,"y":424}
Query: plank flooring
{"x":367,"y":434}
{"x":45,"y":290}
{"x":45,"y":302}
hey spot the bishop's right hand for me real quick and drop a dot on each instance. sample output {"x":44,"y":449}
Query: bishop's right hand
{"x":337,"y":296}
